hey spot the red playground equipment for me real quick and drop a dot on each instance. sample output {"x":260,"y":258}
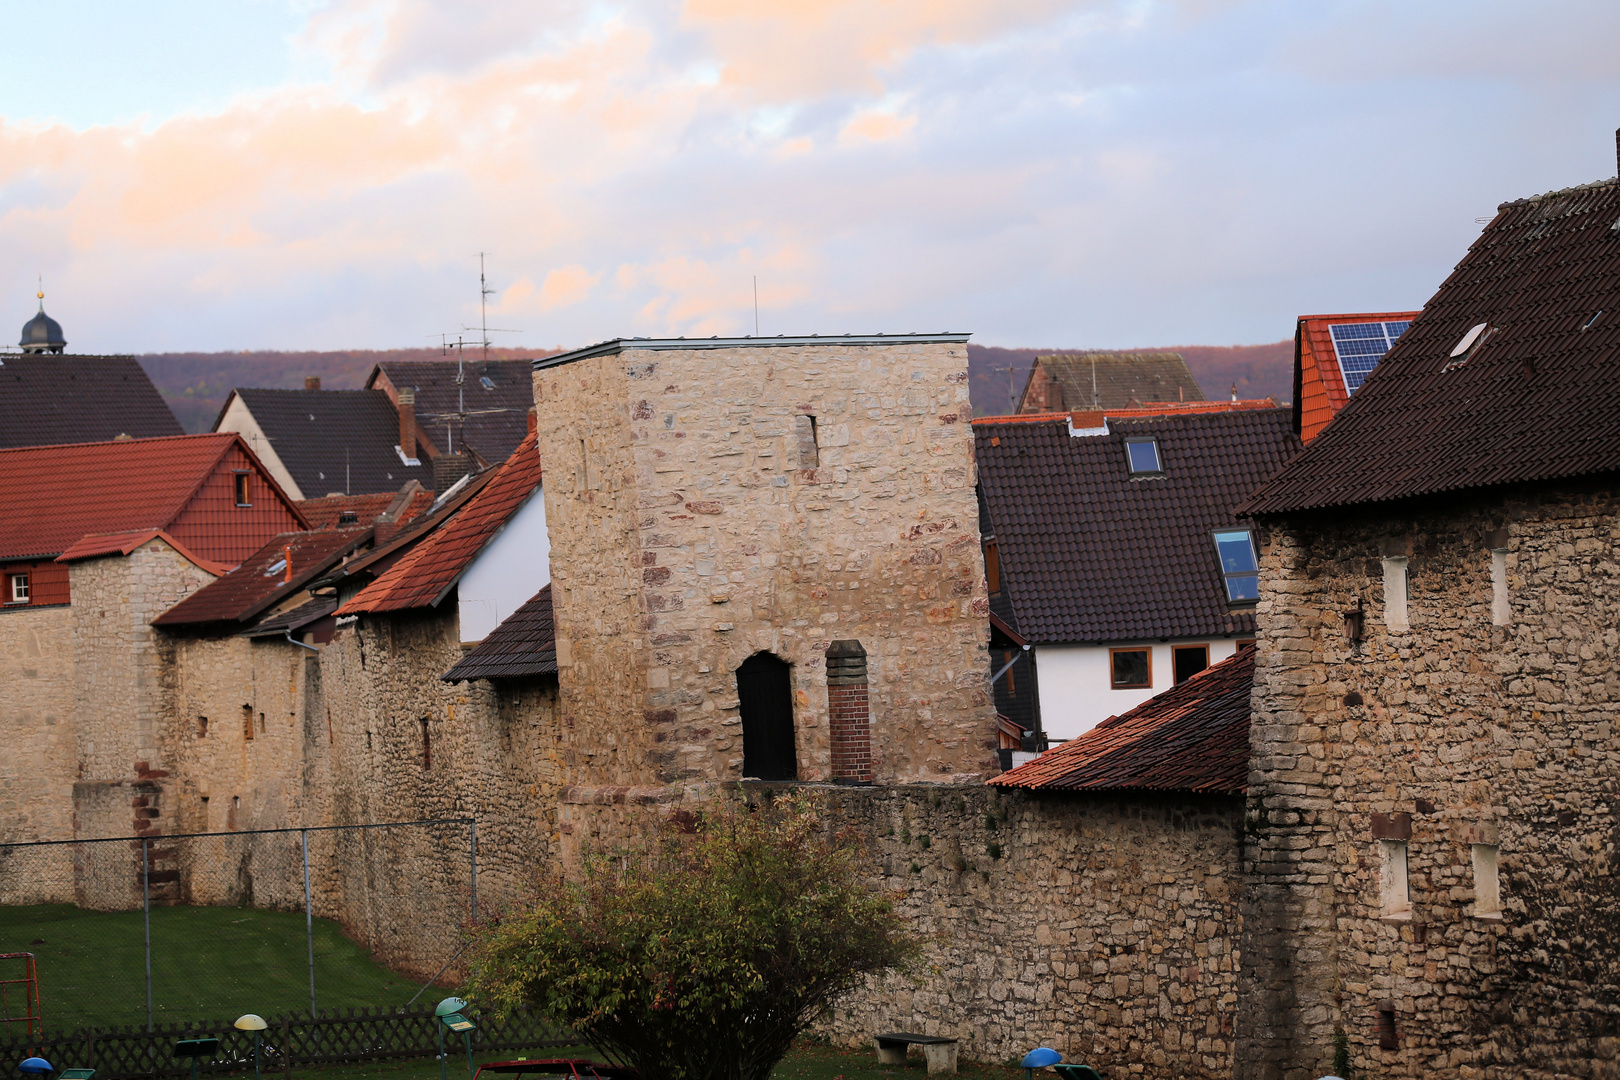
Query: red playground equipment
{"x":25,"y":988}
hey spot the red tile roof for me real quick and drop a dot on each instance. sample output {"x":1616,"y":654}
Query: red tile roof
{"x":373,"y":564}
{"x":1094,"y":418}
{"x":99,"y":544}
{"x":1319,"y":391}
{"x":523,"y":645}
{"x":1192,"y":737}
{"x":1534,"y":401}
{"x":323,"y":513}
{"x":252,"y":589}
{"x":424,"y":576}
{"x":51,"y":497}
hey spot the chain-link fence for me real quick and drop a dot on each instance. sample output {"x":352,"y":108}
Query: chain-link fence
{"x":147,"y":930}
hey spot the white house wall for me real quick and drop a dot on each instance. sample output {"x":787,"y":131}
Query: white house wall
{"x":238,"y":419}
{"x":1074,"y":682}
{"x":507,"y":573}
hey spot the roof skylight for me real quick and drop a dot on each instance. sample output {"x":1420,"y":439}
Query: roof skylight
{"x":1142,"y":455}
{"x":1359,"y":346}
{"x":1464,"y":350}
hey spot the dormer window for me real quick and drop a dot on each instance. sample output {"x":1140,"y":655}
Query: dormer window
{"x":1238,"y":564}
{"x":1142,"y":455}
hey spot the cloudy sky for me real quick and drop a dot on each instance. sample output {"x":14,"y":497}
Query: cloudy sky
{"x":297,"y":174}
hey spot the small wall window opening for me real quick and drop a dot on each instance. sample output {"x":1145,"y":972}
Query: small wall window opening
{"x":1130,"y":669}
{"x":992,"y":567}
{"x":1388,"y":1039}
{"x":1189,"y":660}
{"x":19,"y":588}
{"x":765,"y":702}
{"x":202,"y":733}
{"x":244,"y":488}
{"x":1395,"y":593}
{"x":1487,"y":882}
{"x":427,"y":745}
{"x":804,"y":434}
{"x":1142,"y":455}
{"x":247,"y":722}
{"x":1394,"y":895}
{"x":1501,"y":604}
{"x":1239,"y":565}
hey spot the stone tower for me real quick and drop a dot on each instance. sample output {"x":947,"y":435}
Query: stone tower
{"x":715,"y":503}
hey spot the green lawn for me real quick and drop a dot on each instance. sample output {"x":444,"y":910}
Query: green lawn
{"x":207,"y":963}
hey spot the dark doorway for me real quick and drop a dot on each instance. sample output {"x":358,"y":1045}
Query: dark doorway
{"x":765,"y":699}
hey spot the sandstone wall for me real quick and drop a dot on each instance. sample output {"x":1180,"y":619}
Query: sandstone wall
{"x":1104,"y":926}
{"x":40,"y":754}
{"x":692,"y":526}
{"x":1482,"y":734}
{"x":491,"y":755}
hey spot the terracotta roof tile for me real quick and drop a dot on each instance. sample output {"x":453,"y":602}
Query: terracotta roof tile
{"x":1319,"y":391}
{"x":523,"y":645}
{"x":1192,"y":737}
{"x":53,"y":496}
{"x":323,"y":513}
{"x":252,"y":588}
{"x":53,"y":399}
{"x":1534,"y":402}
{"x":425,"y":575}
{"x":1090,"y":555}
{"x":379,"y":559}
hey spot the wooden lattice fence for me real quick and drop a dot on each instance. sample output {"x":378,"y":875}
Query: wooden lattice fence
{"x":339,"y":1036}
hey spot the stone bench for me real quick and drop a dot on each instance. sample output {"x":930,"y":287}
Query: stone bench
{"x":941,"y":1052}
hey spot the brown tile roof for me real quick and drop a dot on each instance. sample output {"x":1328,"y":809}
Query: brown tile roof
{"x":523,"y":645}
{"x":424,"y":576}
{"x":379,"y":560}
{"x":252,"y":589}
{"x":497,"y":414}
{"x":1192,"y":737}
{"x":323,"y":513}
{"x":1121,"y":379}
{"x":333,"y":440}
{"x":1319,"y":390}
{"x":51,"y":497}
{"x":51,"y":399}
{"x":1090,"y":555}
{"x":318,"y":608}
{"x":1534,"y":402}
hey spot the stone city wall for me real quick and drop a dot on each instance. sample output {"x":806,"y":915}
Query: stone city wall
{"x":41,"y":750}
{"x":1461,"y":733}
{"x":708,"y":504}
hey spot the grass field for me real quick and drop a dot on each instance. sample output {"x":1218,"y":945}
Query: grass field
{"x":207,"y":963}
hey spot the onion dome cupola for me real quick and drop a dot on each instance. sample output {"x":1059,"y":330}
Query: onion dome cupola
{"x":42,"y":334}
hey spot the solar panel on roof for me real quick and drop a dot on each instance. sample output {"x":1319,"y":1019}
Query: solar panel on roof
{"x":1359,"y":347}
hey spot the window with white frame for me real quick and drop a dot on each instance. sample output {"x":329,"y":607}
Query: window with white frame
{"x":19,"y":588}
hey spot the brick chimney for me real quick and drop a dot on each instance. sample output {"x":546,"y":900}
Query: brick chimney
{"x":849,"y":713}
{"x":447,"y":469}
{"x":532,"y":420}
{"x":407,"y":421}
{"x":312,"y":382}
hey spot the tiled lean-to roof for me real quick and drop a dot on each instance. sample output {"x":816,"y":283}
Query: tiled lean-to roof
{"x":263,"y":579}
{"x":1089,"y":554}
{"x":1533,"y":400}
{"x":423,"y":577}
{"x":1192,"y":737}
{"x":48,"y":399}
{"x":523,"y":645}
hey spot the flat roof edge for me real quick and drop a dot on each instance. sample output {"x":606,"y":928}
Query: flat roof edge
{"x":619,"y":345}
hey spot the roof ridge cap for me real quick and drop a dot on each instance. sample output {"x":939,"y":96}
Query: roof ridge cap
{"x":1528,"y":199}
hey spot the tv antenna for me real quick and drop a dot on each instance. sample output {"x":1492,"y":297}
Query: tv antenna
{"x":460,"y":345}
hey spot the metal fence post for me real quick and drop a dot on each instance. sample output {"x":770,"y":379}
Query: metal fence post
{"x":472,"y":835}
{"x":146,"y":918}
{"x":309,"y":928}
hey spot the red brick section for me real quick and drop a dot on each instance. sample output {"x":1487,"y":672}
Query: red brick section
{"x":849,"y":712}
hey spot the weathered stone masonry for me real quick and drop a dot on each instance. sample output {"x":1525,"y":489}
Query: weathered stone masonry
{"x":1483,"y":734}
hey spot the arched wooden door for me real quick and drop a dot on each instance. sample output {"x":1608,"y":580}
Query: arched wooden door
{"x":765,"y":697}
